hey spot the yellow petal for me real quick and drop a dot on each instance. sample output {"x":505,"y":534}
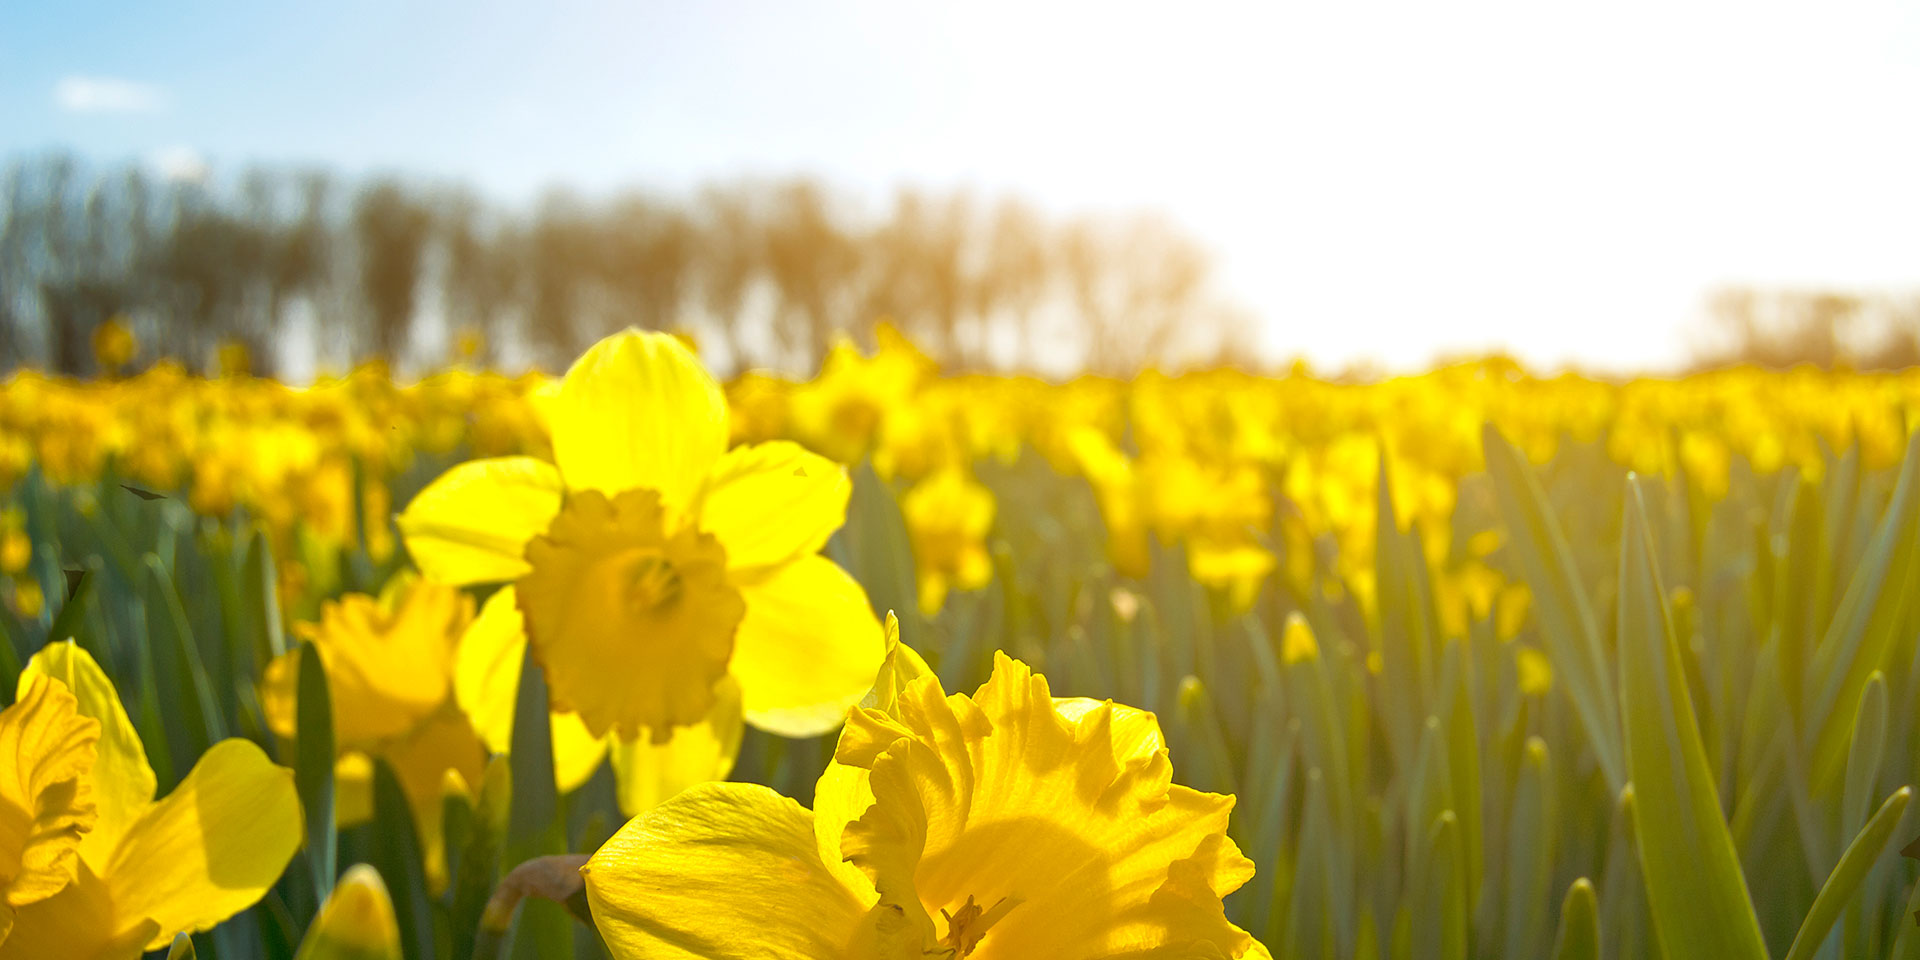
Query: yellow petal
{"x":212,"y":848}
{"x":576,"y":751}
{"x":46,"y":802}
{"x":389,"y":665}
{"x":650,"y":773}
{"x":487,"y":684}
{"x":356,"y":922}
{"x":352,"y":789}
{"x":899,"y":667}
{"x":472,"y":524}
{"x":808,"y":648}
{"x":724,"y":871}
{"x":80,"y":923}
{"x":280,"y":694}
{"x":1057,"y":820}
{"x":123,"y":781}
{"x":773,"y":502}
{"x":638,"y":411}
{"x":841,"y":795}
{"x":486,"y":675}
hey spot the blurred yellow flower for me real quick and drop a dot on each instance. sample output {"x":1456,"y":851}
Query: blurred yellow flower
{"x":1007,"y":824}
{"x":150,"y":869}
{"x":113,"y":344}
{"x":1535,"y":670}
{"x":948,"y":517}
{"x":16,"y":549}
{"x":390,"y":667}
{"x":651,"y":567}
{"x":840,"y":412}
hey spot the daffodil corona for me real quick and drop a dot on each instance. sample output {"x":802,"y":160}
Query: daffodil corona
{"x":663,"y":582}
{"x":1007,"y":824}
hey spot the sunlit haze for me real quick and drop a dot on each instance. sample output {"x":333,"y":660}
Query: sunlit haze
{"x":1384,"y":183}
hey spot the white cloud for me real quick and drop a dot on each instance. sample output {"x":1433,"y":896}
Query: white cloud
{"x":78,"y":94}
{"x":179,"y":163}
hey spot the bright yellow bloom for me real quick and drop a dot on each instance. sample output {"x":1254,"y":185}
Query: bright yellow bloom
{"x":46,"y":800}
{"x":149,"y":869}
{"x":651,"y":567}
{"x":356,"y":922}
{"x":390,"y":672}
{"x":840,"y":411}
{"x":113,"y":344}
{"x":1008,"y":824}
{"x":949,"y":516}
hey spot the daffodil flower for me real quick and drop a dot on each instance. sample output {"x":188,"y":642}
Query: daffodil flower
{"x":145,"y":869}
{"x":1007,"y":824}
{"x":390,"y":677}
{"x":949,"y":515}
{"x":668,"y":586}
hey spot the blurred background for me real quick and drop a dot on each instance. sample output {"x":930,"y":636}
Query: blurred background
{"x":1040,"y":187}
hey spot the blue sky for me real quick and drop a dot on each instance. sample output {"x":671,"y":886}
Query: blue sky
{"x":1387,"y":181}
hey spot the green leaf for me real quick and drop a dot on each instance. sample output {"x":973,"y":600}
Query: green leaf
{"x":1847,"y":875}
{"x":476,"y":865}
{"x":398,"y":858}
{"x":1568,"y":627}
{"x":70,"y":622}
{"x":1406,"y":666}
{"x":1440,"y":895}
{"x":1864,"y":751}
{"x":1865,"y":625}
{"x":313,"y":764}
{"x":1529,"y":855}
{"x":532,"y":822}
{"x":1463,"y":766}
{"x":1694,"y":886}
{"x":1579,"y":936}
{"x":535,"y":826}
{"x":182,"y":947}
{"x":261,"y":590}
{"x":1310,"y":922}
{"x":1207,"y":762}
{"x":197,"y":724}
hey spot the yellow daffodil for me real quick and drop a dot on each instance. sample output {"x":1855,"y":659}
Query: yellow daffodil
{"x":1008,"y":824}
{"x":46,"y":797}
{"x":652,"y":571}
{"x":840,"y":411}
{"x":146,"y":869}
{"x":356,"y":923}
{"x":948,"y":517}
{"x":390,"y":672}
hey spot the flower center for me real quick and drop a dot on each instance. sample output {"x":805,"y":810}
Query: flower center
{"x":630,"y":612}
{"x":653,"y":585}
{"x":966,"y":926}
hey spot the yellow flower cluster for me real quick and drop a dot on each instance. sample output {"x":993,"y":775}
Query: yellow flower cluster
{"x":1254,"y":476}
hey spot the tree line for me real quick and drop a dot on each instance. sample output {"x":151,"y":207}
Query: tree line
{"x":1781,"y":328}
{"x":763,"y":273}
